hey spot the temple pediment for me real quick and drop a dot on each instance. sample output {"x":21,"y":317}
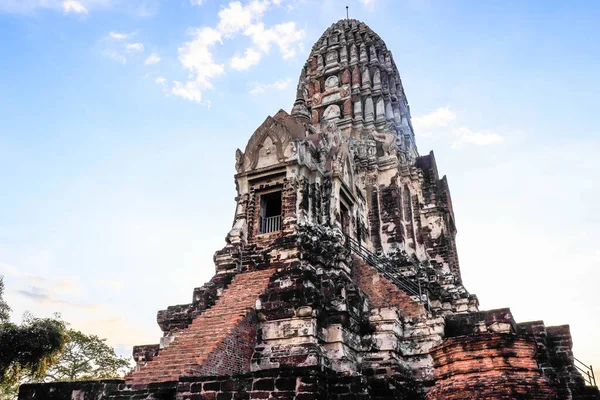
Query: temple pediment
{"x":270,"y":142}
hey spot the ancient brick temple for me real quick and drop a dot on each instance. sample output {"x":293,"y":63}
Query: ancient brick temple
{"x":340,"y":278}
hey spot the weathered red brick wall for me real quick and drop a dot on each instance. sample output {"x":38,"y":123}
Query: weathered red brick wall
{"x":488,"y":366}
{"x":234,"y":354}
{"x":382,"y":292}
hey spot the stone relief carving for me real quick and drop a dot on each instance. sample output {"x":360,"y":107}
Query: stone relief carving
{"x":332,"y":112}
{"x":332,"y":82}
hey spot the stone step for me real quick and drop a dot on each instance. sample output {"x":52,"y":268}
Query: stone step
{"x":205,"y":334}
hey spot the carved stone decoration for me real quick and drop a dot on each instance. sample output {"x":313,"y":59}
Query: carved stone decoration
{"x":345,"y":91}
{"x":331,"y":112}
{"x":392,"y":86}
{"x":374,"y":59}
{"x":369,"y":111}
{"x":386,"y":141}
{"x":239,"y":161}
{"x":355,"y":77}
{"x":317,"y":86}
{"x":319,"y":62}
{"x":389,"y":112}
{"x":388,"y":62}
{"x":346,"y":77}
{"x":380,"y":110}
{"x":274,"y":135}
{"x":238,"y":233}
{"x":397,"y":115}
{"x":363,"y":54}
{"x":377,"y":80}
{"x":353,"y":54}
{"x":348,"y":109}
{"x":332,"y":82}
{"x":315,"y":117}
{"x":366,"y":79}
{"x":344,"y":55}
{"x":358,"y":109}
{"x":313,"y":64}
{"x":332,"y":58}
{"x":317,"y":98}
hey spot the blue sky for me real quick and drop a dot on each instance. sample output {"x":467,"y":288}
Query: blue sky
{"x":119,"y":121}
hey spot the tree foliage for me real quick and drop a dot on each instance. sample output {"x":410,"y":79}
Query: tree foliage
{"x":45,"y":350}
{"x":30,"y":347}
{"x":4,"y":308}
{"x":86,"y":357}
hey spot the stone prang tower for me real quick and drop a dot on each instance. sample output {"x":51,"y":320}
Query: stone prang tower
{"x":340,"y":278}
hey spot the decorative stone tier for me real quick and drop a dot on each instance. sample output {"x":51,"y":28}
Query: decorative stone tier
{"x":488,"y":366}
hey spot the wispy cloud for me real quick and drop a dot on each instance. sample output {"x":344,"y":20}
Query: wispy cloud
{"x":479,"y":138}
{"x":161,"y":80}
{"x":116,"y":48}
{"x":188,"y":91}
{"x":135,"y":47}
{"x":153,"y":58}
{"x":118,"y":35}
{"x":80,"y":7}
{"x":115,"y":55}
{"x":280,"y":84}
{"x":443,"y":121}
{"x":73,"y":6}
{"x":438,"y":118}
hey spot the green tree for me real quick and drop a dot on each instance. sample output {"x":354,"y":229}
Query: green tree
{"x":45,"y":350}
{"x":4,"y":308}
{"x":30,"y":347}
{"x":26,"y":350}
{"x":86,"y":357}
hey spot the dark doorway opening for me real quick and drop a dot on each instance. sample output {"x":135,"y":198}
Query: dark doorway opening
{"x":270,"y":212}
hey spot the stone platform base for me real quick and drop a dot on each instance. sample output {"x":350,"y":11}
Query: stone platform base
{"x":283,"y":384}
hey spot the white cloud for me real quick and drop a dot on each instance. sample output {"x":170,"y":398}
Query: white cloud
{"x":280,"y":84}
{"x":443,"y":122}
{"x":74,"y":6}
{"x":251,"y":57}
{"x":236,"y":17}
{"x":134,"y":47}
{"x":479,"y":138}
{"x":283,"y":35}
{"x":197,"y":57}
{"x":161,"y":80}
{"x":196,"y":2}
{"x":152,"y":59}
{"x":438,"y":118}
{"x":189,"y":91}
{"x":368,"y":3}
{"x":117,"y":35}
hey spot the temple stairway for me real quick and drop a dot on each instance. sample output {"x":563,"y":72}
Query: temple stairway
{"x":219,"y":341}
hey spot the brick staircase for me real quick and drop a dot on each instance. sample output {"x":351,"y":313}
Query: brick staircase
{"x":207,"y":340}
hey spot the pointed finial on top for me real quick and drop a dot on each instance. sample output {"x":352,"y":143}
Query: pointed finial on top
{"x":347,"y":13}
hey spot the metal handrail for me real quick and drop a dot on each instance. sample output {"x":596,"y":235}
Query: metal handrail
{"x":270,"y":224}
{"x":386,"y":269}
{"x":587,"y":371}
